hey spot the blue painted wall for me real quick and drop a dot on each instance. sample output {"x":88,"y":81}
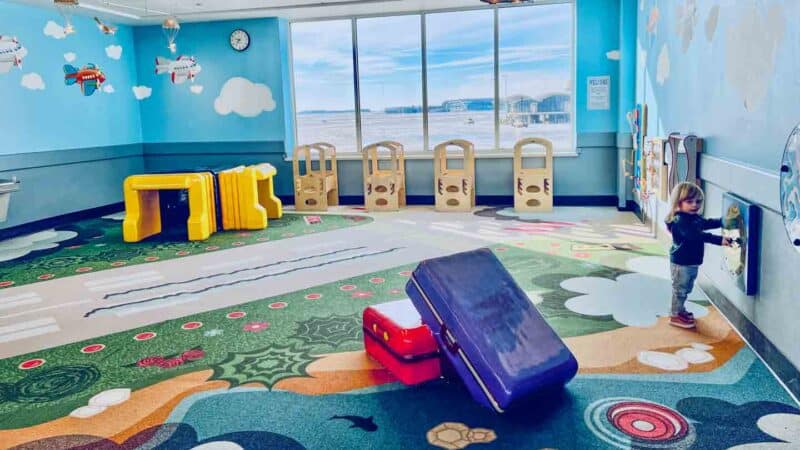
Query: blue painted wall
{"x":70,"y":152}
{"x":597,"y":24}
{"x":745,"y":124}
{"x":174,"y":114}
{"x":60,"y":117}
{"x":699,"y":94}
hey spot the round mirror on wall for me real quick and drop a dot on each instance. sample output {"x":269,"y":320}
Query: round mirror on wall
{"x":790,"y":187}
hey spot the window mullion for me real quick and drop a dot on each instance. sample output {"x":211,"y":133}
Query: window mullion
{"x":425,"y":136}
{"x":496,"y":78}
{"x":356,"y":84}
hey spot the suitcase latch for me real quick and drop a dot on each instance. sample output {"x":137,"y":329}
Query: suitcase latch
{"x":449,"y":340}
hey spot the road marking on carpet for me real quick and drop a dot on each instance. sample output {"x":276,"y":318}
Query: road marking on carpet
{"x":28,"y":329}
{"x":456,"y":225}
{"x":46,"y":308}
{"x":242,"y":280}
{"x":144,"y":308}
{"x":28,"y":298}
{"x":208,"y":277}
{"x":464,"y":233}
{"x":322,"y":246}
{"x":406,"y":222}
{"x":241,"y":262}
{"x":107,"y":284}
{"x":495,"y":233}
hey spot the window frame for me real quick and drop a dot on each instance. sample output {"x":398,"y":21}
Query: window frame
{"x":427,"y":151}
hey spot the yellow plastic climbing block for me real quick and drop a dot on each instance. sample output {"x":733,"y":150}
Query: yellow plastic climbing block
{"x":229,"y":201}
{"x":265,"y":183}
{"x":142,"y":213}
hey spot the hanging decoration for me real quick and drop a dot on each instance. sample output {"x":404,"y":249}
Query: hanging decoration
{"x":11,"y":53}
{"x":170,"y":28}
{"x":182,"y":69}
{"x":89,"y":77}
{"x":105,"y":28}
{"x":66,"y":8}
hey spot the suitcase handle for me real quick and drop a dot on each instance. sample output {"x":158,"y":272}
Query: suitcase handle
{"x":449,"y":340}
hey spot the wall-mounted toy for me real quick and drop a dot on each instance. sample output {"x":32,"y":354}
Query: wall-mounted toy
{"x":656,"y":168}
{"x":790,"y":188}
{"x":105,"y":28}
{"x":637,"y":119}
{"x":181,"y":69}
{"x":315,"y":190}
{"x":89,"y":77}
{"x":11,"y":53}
{"x":170,"y":28}
{"x":533,"y":188}
{"x":683,"y":157}
{"x":454,"y":189}
{"x":384,"y":189}
{"x":66,"y":8}
{"x":741,"y":222}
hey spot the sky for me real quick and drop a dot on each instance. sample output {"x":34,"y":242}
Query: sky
{"x":535,"y":57}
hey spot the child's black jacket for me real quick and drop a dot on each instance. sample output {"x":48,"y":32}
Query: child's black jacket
{"x":688,"y":238}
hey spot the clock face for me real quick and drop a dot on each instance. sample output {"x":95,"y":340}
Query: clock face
{"x":240,"y":40}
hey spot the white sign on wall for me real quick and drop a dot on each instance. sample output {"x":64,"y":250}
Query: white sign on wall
{"x":598,"y":93}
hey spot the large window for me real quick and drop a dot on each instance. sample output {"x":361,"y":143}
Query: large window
{"x":323,"y":79}
{"x":535,"y":74}
{"x":460,"y":51}
{"x":390,"y":79}
{"x":488,"y":75}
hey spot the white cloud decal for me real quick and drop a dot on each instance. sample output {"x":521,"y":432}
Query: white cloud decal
{"x":750,"y":50}
{"x":54,"y":30}
{"x":114,"y":51}
{"x":196,"y":89}
{"x":142,"y":92}
{"x":711,"y":22}
{"x":633,"y":299}
{"x":32,"y":81}
{"x":613,"y":55}
{"x":782,"y":427}
{"x":22,"y":245}
{"x":243,"y":97}
{"x":662,"y":69}
{"x":108,"y":89}
{"x":687,"y":18}
{"x":70,"y":57}
{"x":656,"y":266}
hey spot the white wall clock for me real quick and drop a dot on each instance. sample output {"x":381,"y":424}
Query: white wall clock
{"x":240,"y":40}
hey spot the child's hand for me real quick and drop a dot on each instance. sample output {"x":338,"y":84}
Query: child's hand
{"x":727,"y":242}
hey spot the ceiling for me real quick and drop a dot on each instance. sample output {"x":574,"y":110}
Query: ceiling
{"x":144,"y":12}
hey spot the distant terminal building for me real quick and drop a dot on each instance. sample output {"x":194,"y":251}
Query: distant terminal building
{"x":519,"y":110}
{"x":468,"y":104}
{"x":519,"y":104}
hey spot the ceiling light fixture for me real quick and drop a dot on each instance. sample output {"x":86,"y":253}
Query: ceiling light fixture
{"x":105,"y":10}
{"x":494,"y":2}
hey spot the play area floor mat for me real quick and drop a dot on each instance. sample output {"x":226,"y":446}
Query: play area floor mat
{"x":289,"y":371}
{"x":96,"y":244}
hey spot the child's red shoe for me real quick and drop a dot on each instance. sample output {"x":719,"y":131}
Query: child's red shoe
{"x":683,"y":319}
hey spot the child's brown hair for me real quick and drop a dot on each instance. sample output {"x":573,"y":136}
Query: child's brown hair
{"x":682,"y":191}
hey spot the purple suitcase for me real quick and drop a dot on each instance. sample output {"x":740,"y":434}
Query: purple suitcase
{"x":489,"y":330}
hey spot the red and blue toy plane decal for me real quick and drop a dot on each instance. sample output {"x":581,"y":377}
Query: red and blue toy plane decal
{"x":89,"y":77}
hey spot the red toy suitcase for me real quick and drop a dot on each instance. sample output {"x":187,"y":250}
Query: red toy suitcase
{"x":395,"y":336}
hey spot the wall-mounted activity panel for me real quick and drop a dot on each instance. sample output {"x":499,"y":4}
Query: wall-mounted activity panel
{"x":741,"y":221}
{"x":790,"y":188}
